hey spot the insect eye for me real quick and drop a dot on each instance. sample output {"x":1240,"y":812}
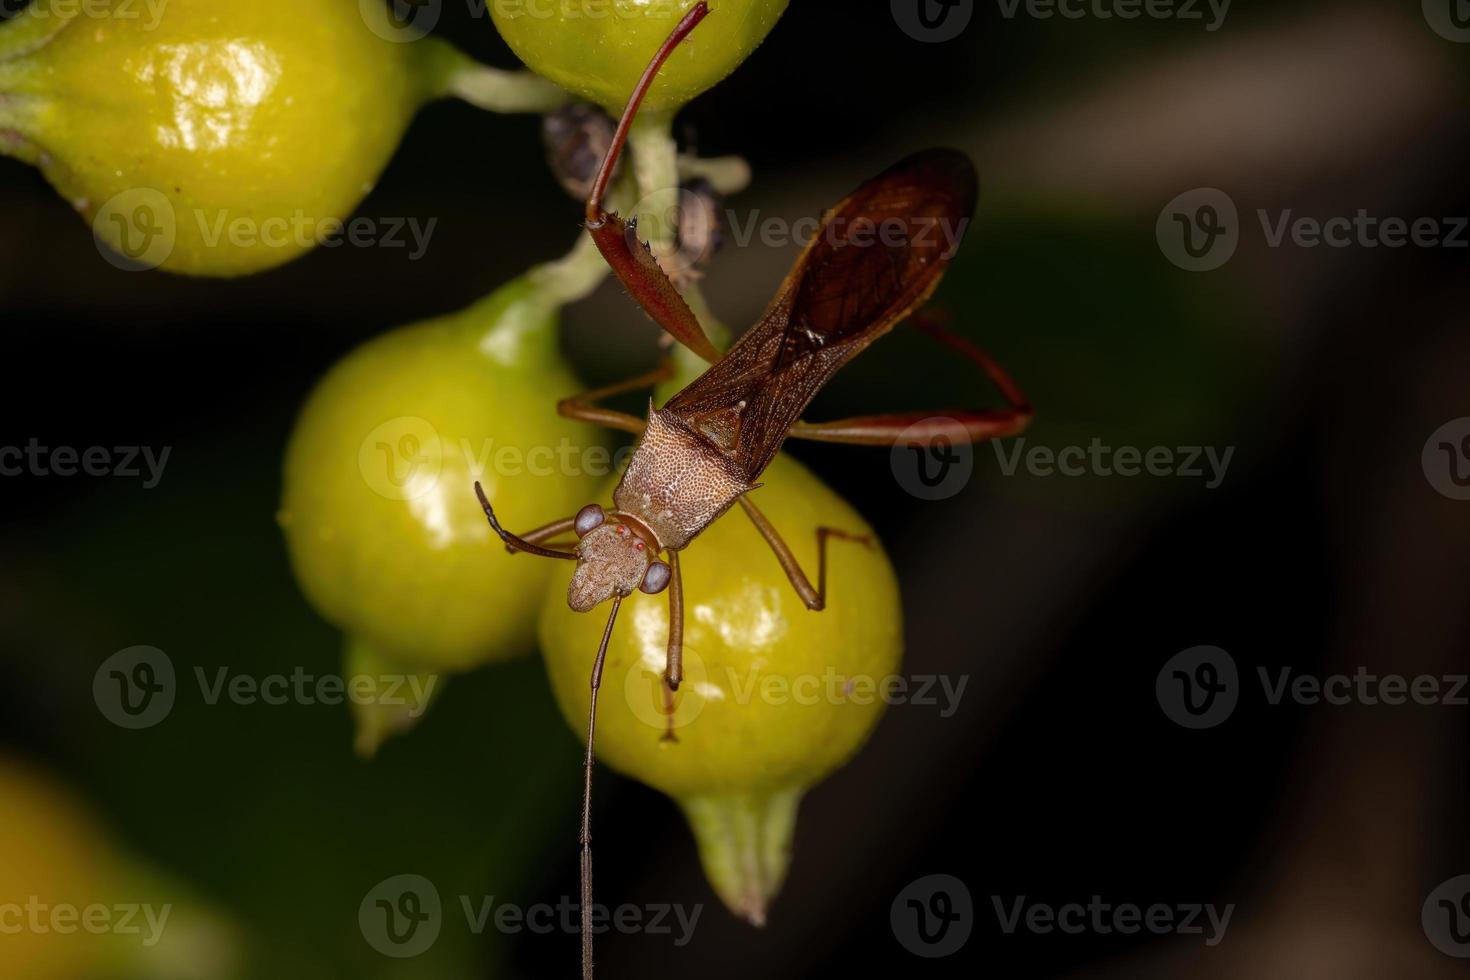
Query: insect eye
{"x":589,"y":519}
{"x":656,"y":579}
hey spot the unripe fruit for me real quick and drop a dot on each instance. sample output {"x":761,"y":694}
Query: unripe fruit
{"x":210,"y":137}
{"x":598,"y":49}
{"x":385,"y":534}
{"x":775,"y":697}
{"x":59,"y":871}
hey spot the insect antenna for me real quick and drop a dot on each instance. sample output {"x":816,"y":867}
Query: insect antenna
{"x":587,"y":794}
{"x":511,"y":540}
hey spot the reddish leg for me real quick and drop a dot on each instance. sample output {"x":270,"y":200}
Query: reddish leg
{"x":631,"y":260}
{"x":584,"y":407}
{"x":976,"y":424}
{"x":815,"y":598}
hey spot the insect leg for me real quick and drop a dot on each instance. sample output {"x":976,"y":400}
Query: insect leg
{"x":587,"y":761}
{"x":629,"y":258}
{"x":674,"y":666}
{"x":815,"y":598}
{"x":584,"y":407}
{"x":920,"y":427}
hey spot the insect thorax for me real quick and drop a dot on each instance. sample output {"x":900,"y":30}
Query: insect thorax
{"x":677,"y":483}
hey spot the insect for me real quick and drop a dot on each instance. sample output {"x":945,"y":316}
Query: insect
{"x":878,"y":257}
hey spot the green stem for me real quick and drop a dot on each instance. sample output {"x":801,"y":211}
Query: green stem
{"x":727,"y":175}
{"x":32,"y":29}
{"x":656,"y":171}
{"x":17,"y":124}
{"x":495,"y":90}
{"x":745,"y":846}
{"x":524,"y":312}
{"x":378,"y":722}
{"x":656,"y":168}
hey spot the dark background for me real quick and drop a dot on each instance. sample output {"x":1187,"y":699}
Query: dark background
{"x":1060,"y":778}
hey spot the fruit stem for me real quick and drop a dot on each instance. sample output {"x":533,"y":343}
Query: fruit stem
{"x":495,"y":90}
{"x":31,"y":30}
{"x":378,"y":722}
{"x":727,"y":175}
{"x":656,"y":166}
{"x":16,"y":125}
{"x":745,"y":846}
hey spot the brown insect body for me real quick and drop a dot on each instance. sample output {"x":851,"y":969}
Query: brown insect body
{"x":875,"y":261}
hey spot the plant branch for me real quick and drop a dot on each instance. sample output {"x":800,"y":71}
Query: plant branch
{"x":495,"y":90}
{"x":727,"y":175}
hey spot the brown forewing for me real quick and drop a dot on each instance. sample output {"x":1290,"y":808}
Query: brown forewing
{"x":878,"y":257}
